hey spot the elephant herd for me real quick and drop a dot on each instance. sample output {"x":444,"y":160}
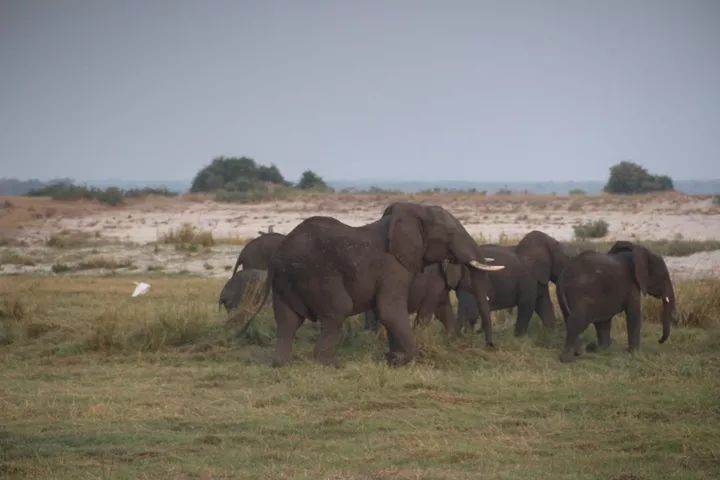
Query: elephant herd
{"x":410,"y":259}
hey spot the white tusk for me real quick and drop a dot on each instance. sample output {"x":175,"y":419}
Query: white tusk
{"x":667,"y":299}
{"x":484,"y":266}
{"x":487,"y":298}
{"x":488,"y":259}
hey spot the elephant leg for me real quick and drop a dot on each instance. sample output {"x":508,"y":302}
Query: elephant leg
{"x":287,"y":324}
{"x":330,"y":333}
{"x":445,"y":314}
{"x":602,"y":329}
{"x":468,"y":312}
{"x":486,"y":321}
{"x":574,"y":326}
{"x":392,"y":310}
{"x":525,"y":311}
{"x":544,"y":307}
{"x":371,"y":322}
{"x":633,"y":316}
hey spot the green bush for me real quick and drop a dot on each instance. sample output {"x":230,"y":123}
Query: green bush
{"x":61,"y":268}
{"x":144,"y":192}
{"x":716,"y":199}
{"x":312,"y":181}
{"x":596,"y":229}
{"x":67,"y":191}
{"x":629,"y":177}
{"x":577,"y":191}
{"x":235,"y":174}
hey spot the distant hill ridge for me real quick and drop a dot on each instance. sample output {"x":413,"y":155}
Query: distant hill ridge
{"x":12,"y":186}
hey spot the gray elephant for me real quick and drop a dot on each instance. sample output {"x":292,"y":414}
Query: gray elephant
{"x":429,"y":295}
{"x":594,"y":287}
{"x":326,"y":271}
{"x":256,"y":254}
{"x":250,"y":268}
{"x":245,"y":286}
{"x":529,"y":266}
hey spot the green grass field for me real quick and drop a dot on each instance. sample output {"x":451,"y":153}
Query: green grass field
{"x":95,"y":384}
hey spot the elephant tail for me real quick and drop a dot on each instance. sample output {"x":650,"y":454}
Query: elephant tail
{"x":238,"y":263}
{"x":266,"y":293}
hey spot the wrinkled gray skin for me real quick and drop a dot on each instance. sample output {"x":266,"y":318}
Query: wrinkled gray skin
{"x":529,"y":266}
{"x":594,"y":287}
{"x":327,"y":271}
{"x":240,"y":285}
{"x":429,"y":295}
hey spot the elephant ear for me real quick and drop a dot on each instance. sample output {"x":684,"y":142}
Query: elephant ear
{"x":640,"y":261}
{"x":640,"y":256}
{"x":622,"y":246}
{"x":405,"y":240}
{"x":453,"y":274}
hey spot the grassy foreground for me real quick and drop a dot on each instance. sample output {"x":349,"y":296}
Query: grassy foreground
{"x":95,"y":384}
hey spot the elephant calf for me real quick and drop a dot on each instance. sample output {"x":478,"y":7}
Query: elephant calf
{"x":430,"y":295}
{"x":245,"y":286}
{"x":250,"y":270}
{"x":594,"y":287}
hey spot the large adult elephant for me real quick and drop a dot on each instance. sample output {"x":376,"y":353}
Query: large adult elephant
{"x":594,"y":287}
{"x":529,"y":266}
{"x":325,"y":270}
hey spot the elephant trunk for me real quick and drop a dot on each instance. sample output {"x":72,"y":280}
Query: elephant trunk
{"x":667,"y":314}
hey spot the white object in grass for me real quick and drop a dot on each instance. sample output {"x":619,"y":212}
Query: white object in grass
{"x":141,"y":288}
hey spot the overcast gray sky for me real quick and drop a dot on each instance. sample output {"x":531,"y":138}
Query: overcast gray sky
{"x":475,"y":90}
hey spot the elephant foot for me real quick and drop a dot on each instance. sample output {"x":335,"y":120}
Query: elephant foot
{"x":397,"y":359}
{"x":596,"y":347}
{"x":328,"y":361}
{"x":520,"y":332}
{"x":280,"y":362}
{"x":567,"y":357}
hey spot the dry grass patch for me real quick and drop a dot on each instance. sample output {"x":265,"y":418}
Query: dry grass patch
{"x":101,"y":261}
{"x":67,"y":239}
{"x":188,"y":235}
{"x":12,"y":257}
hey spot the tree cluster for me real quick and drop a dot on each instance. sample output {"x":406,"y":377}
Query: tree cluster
{"x":629,"y":177}
{"x":244,"y":175}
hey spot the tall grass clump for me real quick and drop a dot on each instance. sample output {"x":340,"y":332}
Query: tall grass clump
{"x":151,"y":328}
{"x":13,"y":312}
{"x":188,"y":235}
{"x":592,"y":229}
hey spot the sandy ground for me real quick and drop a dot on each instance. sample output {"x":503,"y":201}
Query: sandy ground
{"x":130,"y":232}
